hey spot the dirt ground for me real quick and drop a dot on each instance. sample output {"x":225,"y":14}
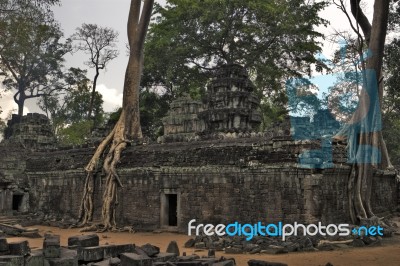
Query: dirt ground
{"x":388,"y":254}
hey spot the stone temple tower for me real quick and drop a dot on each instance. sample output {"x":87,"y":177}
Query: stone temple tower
{"x":232,"y":105}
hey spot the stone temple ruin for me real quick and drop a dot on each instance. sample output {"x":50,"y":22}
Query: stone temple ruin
{"x":212,"y":165}
{"x":231,"y":107}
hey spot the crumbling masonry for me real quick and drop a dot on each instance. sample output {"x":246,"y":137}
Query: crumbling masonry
{"x":212,"y":165}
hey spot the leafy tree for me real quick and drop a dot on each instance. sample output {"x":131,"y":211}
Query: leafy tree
{"x":99,"y":43}
{"x":272,"y":39}
{"x":153,"y":108}
{"x":127,"y":128}
{"x":16,"y":5}
{"x":68,"y":109}
{"x":31,"y":54}
{"x":76,"y":133}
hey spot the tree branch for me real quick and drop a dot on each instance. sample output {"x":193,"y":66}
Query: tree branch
{"x":144,"y":21}
{"x":361,"y":19}
{"x":133,"y":21}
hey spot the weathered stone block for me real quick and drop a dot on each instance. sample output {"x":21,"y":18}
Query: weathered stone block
{"x":264,"y":263}
{"x":190,"y":243}
{"x":3,"y":245}
{"x":207,"y":261}
{"x":187,"y":258}
{"x":102,"y":263}
{"x":67,"y":258}
{"x":51,"y":241}
{"x":132,"y":259}
{"x":189,"y":263}
{"x":91,"y":253}
{"x":233,"y":250}
{"x":51,"y":246}
{"x":162,"y":257}
{"x":12,"y":260}
{"x":150,"y":250}
{"x":173,"y":248}
{"x":115,"y":262}
{"x":225,"y":263}
{"x":19,"y":248}
{"x":115,"y":250}
{"x":36,"y":258}
{"x":84,"y":240}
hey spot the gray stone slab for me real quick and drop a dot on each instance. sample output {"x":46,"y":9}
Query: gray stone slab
{"x":52,"y":252}
{"x":265,"y":263}
{"x":115,"y":250}
{"x":84,"y":240}
{"x":36,"y":258}
{"x":51,"y":241}
{"x":12,"y":260}
{"x":173,"y":248}
{"x":68,"y":258}
{"x":189,"y":263}
{"x":225,"y":263}
{"x":19,"y":248}
{"x":102,"y":263}
{"x":89,"y":254}
{"x":164,"y":256}
{"x":3,"y":244}
{"x":132,"y":259}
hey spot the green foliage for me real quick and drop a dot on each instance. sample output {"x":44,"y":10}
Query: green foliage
{"x":76,"y":133}
{"x":273,"y":39}
{"x":31,"y":54}
{"x":271,"y":113}
{"x":68,"y":109}
{"x":153,"y":107}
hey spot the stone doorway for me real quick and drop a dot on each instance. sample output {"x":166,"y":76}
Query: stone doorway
{"x":170,"y":206}
{"x":17,"y":202}
{"x":20,"y":202}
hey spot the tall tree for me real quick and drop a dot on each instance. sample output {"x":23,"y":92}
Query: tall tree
{"x":70,"y":106}
{"x":99,"y":43}
{"x":127,"y":129}
{"x":367,"y":149}
{"x":272,"y":39}
{"x":31,"y":54}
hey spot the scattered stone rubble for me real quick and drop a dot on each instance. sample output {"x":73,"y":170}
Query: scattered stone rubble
{"x":275,"y":245}
{"x":84,"y":250}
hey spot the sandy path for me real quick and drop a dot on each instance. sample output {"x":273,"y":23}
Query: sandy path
{"x":386,"y":255}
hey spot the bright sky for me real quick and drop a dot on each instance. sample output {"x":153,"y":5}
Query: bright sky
{"x":73,"y":13}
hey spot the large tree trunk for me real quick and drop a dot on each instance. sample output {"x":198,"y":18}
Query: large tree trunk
{"x":21,"y":107}
{"x":92,"y":96}
{"x":366,"y":121}
{"x":127,"y":129}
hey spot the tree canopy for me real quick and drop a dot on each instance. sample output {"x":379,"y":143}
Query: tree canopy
{"x":272,"y":39}
{"x":31,"y":53}
{"x":68,"y":109}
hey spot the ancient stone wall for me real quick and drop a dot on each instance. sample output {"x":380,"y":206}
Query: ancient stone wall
{"x":215,"y":182}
